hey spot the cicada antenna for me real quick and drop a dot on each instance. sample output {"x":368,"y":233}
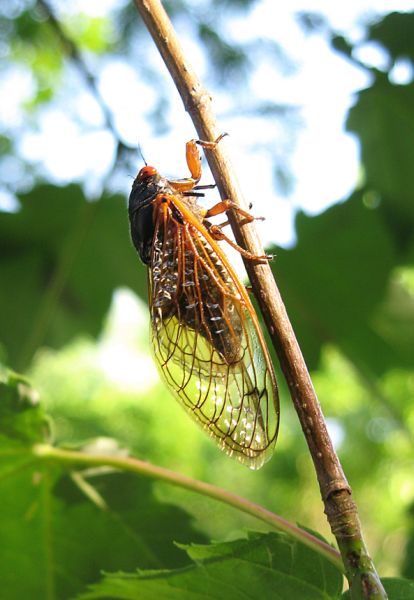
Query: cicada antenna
{"x":141,"y":154}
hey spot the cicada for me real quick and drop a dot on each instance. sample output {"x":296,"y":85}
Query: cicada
{"x":205,"y":333}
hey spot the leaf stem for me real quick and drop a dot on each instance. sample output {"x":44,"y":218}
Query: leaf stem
{"x":134,"y":465}
{"x":336,"y":493}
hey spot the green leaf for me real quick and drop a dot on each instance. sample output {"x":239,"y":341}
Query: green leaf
{"x":407,"y":569}
{"x":264,"y":566}
{"x":394,"y":317}
{"x":60,"y":530}
{"x":21,"y":418}
{"x":62,"y":257}
{"x":396,"y":33}
{"x":396,"y":588}
{"x":334,"y":279}
{"x":383,"y":119}
{"x":90,"y":33}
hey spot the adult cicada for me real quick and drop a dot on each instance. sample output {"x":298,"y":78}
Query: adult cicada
{"x":205,"y":332}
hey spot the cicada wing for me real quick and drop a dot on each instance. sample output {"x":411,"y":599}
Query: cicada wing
{"x":207,"y":346}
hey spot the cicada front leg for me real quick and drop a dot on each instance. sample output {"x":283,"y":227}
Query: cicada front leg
{"x":193,"y":159}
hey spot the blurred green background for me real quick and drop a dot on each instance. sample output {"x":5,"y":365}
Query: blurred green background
{"x":72,"y":293}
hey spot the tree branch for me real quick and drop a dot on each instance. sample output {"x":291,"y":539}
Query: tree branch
{"x":336,"y":494}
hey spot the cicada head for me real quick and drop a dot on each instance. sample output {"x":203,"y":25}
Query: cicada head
{"x":147,"y":185}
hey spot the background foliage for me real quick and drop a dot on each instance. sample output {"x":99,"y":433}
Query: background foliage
{"x":348,"y":284}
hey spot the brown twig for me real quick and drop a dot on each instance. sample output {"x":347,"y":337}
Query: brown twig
{"x":336,"y":494}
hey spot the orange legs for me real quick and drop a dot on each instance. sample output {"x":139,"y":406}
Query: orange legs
{"x":194,"y":164}
{"x":216,"y":231}
{"x":189,"y":183}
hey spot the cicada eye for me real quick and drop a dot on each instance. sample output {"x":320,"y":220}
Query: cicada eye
{"x":146,"y":172}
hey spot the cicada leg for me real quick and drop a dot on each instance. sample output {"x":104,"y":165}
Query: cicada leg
{"x":194,"y":164}
{"x":226,"y":205}
{"x":216,"y":231}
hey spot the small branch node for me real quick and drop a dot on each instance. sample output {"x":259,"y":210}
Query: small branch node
{"x":335,"y":486}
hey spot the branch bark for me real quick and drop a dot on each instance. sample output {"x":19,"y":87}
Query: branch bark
{"x":336,"y":493}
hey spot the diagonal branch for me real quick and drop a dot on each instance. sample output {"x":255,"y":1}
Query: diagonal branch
{"x":336,"y":494}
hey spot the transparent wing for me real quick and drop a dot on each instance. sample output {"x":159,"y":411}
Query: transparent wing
{"x":207,"y":345}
